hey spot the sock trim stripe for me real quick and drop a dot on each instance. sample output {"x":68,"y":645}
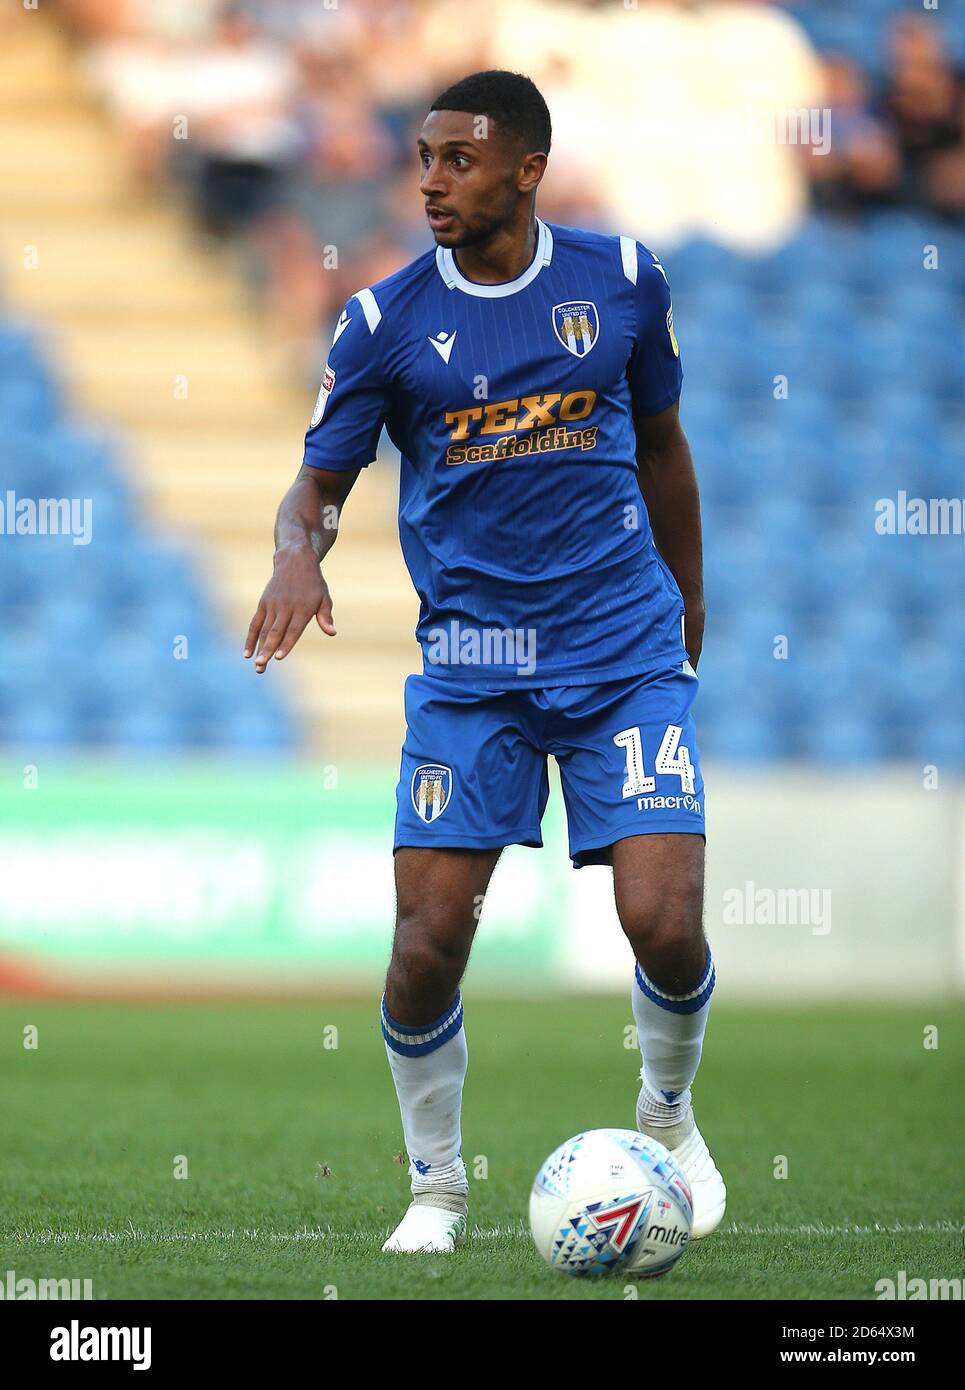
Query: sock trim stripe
{"x":690,"y":994}
{"x":688,"y":1003}
{"x":416,"y":1042}
{"x":420,"y":1030}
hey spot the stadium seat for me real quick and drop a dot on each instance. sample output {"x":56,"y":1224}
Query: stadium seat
{"x":93,"y":625}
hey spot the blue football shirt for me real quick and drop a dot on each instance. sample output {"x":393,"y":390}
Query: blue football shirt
{"x":512,"y":405}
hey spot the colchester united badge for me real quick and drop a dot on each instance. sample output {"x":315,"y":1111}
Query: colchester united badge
{"x":577,"y":325}
{"x":431,"y":790}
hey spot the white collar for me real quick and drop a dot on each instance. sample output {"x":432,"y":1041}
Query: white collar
{"x":455,"y":280}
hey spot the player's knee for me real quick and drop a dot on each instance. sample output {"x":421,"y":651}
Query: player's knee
{"x":419,"y":963}
{"x":425,"y":969}
{"x":666,"y":939}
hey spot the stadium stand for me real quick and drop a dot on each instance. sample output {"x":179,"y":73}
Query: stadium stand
{"x":827,"y":641}
{"x":114,"y":644}
{"x":874,"y":625}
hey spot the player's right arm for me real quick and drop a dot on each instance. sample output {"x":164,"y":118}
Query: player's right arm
{"x":342,"y":439}
{"x":305,"y":531}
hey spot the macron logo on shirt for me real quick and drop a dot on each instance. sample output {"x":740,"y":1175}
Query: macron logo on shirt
{"x":341,"y":326}
{"x":442,"y":343}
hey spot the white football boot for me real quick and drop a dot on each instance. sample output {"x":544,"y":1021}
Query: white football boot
{"x":686,"y":1143}
{"x":434,"y":1224}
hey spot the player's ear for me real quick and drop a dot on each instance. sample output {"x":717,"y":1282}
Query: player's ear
{"x":531,"y":171}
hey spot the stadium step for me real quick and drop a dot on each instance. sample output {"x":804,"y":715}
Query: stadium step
{"x":157,"y":335}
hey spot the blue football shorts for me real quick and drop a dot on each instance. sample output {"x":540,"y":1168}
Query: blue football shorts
{"x":474,"y":769}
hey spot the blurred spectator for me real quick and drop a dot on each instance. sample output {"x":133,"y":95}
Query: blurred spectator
{"x":241,"y":95}
{"x":863,"y":165}
{"x":903,"y":147}
{"x":671,"y":119}
{"x":671,"y":113}
{"x":924,"y":100}
{"x":314,"y":245}
{"x":139,"y":70}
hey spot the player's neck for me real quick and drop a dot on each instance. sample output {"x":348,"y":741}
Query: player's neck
{"x":503,"y":257}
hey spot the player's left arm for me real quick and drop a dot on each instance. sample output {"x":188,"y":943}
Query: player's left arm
{"x":665,"y":469}
{"x":668,"y":483}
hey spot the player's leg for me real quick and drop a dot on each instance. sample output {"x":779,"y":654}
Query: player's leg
{"x":470,"y":783}
{"x":658,"y":883}
{"x":439,"y":892}
{"x":635,"y":799}
{"x":659,"y":886}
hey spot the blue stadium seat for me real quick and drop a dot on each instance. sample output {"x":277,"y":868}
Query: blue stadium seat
{"x":747,"y":737}
{"x":843,"y":31}
{"x":845,"y":738}
{"x":924,"y":299}
{"x":254,"y":731}
{"x":27,"y":402}
{"x":147,"y":731}
{"x":27,"y":469}
{"x":35,"y":726}
{"x":939,"y":741}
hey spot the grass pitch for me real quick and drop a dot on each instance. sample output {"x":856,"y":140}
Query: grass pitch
{"x":292,"y":1149}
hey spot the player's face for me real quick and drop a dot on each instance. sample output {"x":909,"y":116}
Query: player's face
{"x":470,"y":177}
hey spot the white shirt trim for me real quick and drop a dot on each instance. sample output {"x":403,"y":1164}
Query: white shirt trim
{"x":628,"y":253}
{"x":370,"y":308}
{"x":455,"y":280}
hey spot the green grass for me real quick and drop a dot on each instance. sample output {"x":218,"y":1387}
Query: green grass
{"x":293,"y":1176}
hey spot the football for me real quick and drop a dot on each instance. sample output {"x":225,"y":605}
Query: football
{"x":611,"y":1201}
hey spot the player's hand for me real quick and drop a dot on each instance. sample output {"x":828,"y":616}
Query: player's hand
{"x":694,"y":631}
{"x":294,"y":595}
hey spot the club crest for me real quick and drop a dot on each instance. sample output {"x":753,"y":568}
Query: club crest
{"x":431,"y":790}
{"x":577,"y":325}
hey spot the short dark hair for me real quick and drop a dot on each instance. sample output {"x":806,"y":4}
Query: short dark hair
{"x":510,"y":99}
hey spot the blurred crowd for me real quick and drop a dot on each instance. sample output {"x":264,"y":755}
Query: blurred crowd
{"x":900,"y":143}
{"x":291,"y":123}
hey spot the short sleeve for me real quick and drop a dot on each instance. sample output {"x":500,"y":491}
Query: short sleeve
{"x":352,"y":401}
{"x":653,"y":372}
